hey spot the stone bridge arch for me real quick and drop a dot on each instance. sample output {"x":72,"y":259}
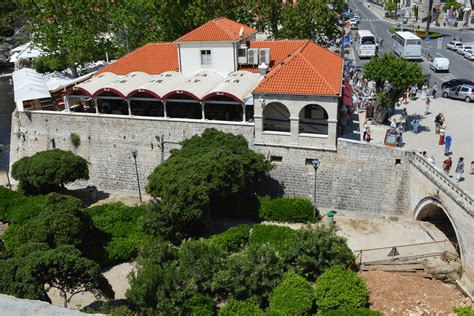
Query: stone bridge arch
{"x":431,"y":209}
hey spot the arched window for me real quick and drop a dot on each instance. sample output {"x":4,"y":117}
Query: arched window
{"x":313,"y":120}
{"x":276,"y":117}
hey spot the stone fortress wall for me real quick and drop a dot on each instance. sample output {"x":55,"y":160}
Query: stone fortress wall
{"x":358,"y":177}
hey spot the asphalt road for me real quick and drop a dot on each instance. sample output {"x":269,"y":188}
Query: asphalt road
{"x":460,"y":67}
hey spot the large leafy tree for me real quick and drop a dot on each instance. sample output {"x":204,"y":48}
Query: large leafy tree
{"x":35,"y":268}
{"x":48,"y":171}
{"x":71,"y":32}
{"x":310,"y":19}
{"x":400,"y":73}
{"x":207,"y":167}
{"x":65,"y":269}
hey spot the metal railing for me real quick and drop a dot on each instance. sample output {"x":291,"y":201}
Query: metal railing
{"x":443,"y":182}
{"x":405,"y":252}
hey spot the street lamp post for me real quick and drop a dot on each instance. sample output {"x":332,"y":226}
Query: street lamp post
{"x":2,"y":153}
{"x":315,"y":164}
{"x":134,"y":155}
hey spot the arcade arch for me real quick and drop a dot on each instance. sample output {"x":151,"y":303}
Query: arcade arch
{"x":276,"y":117}
{"x":313,"y":119}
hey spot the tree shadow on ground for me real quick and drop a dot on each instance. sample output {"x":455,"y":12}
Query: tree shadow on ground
{"x":86,"y":196}
{"x":104,"y":307}
{"x":352,"y":130}
{"x":271,"y":187}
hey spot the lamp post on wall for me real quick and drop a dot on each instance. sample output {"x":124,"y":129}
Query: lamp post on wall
{"x":2,"y":160}
{"x":134,"y":155}
{"x":315,"y":164}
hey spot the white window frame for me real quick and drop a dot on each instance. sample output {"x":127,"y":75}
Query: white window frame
{"x":206,"y":57}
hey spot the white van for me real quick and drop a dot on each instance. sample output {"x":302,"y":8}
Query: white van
{"x":440,"y":64}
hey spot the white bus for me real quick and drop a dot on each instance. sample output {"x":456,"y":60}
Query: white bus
{"x":365,"y":44}
{"x":407,"y":45}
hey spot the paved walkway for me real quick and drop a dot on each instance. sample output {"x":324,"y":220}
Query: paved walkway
{"x":459,"y":123}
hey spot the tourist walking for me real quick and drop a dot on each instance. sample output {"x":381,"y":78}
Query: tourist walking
{"x":460,"y":169}
{"x":427,"y":105}
{"x":447,"y":165}
{"x":368,"y":137}
{"x":439,"y":121}
{"x":414,"y":91}
{"x":400,"y":136}
{"x":447,"y":144}
{"x":441,"y":136}
{"x":366,"y":128}
{"x":415,"y":124}
{"x":403,"y":118}
{"x":434,"y":90}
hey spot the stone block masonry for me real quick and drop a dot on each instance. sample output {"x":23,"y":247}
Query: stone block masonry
{"x":358,"y":177}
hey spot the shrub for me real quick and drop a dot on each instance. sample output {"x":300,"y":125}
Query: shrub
{"x":75,"y":139}
{"x":199,"y":305}
{"x":286,"y":209}
{"x":250,"y":274}
{"x":280,"y":238}
{"x":463,"y":311}
{"x":345,"y":311}
{"x":233,"y":239}
{"x":123,"y":224}
{"x":16,"y":208}
{"x":338,"y":287}
{"x":240,"y":308}
{"x":316,"y":249}
{"x":47,"y":171}
{"x":294,"y":296}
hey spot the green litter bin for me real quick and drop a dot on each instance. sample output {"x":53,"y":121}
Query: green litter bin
{"x":330,"y":218}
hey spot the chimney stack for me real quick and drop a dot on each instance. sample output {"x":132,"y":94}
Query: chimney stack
{"x":263,"y":70}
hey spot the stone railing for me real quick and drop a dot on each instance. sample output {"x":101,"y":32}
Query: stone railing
{"x":443,"y":182}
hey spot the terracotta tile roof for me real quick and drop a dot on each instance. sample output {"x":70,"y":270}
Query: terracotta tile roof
{"x":311,"y":69}
{"x":279,"y":50}
{"x":153,"y":59}
{"x":220,"y":29}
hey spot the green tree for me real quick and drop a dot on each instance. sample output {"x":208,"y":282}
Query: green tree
{"x":400,"y":73}
{"x":65,"y":269}
{"x":339,"y":287}
{"x":317,"y":249}
{"x":207,"y":167}
{"x":240,"y":308}
{"x":62,"y":222}
{"x":294,"y":295}
{"x":48,"y":171}
{"x":390,"y":5}
{"x":310,"y":19}
{"x":71,"y":32}
{"x":250,"y":274}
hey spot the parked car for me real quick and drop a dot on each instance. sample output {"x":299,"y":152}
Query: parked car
{"x":357,"y":18}
{"x":440,"y":64}
{"x":354,"y":24}
{"x":469,"y":55}
{"x":462,"y":92}
{"x":453,"y":45}
{"x":463,"y":48}
{"x":456,"y":82}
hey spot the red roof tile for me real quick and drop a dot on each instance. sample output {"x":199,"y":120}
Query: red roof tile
{"x":311,"y":69}
{"x":220,"y":29}
{"x":153,"y":59}
{"x":279,"y":50}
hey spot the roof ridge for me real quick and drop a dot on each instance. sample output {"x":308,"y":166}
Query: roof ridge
{"x":285,"y":61}
{"x":223,"y":28}
{"x":319,"y":73}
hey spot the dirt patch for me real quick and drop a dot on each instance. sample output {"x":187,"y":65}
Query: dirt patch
{"x":364,"y":226}
{"x":398,"y":294}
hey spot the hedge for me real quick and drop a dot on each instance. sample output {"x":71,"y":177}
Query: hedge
{"x":240,"y":308}
{"x":338,"y":287}
{"x":294,"y":296}
{"x":123,"y":224}
{"x":280,"y":238}
{"x":421,"y":34}
{"x":286,"y":209}
{"x":199,"y":305}
{"x":234,"y":239}
{"x":16,"y":208}
{"x":345,"y":311}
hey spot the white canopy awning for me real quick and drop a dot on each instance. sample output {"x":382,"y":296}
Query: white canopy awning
{"x":93,"y":85}
{"x":29,"y":85}
{"x":161,"y":84}
{"x":198,"y":85}
{"x":238,"y":85}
